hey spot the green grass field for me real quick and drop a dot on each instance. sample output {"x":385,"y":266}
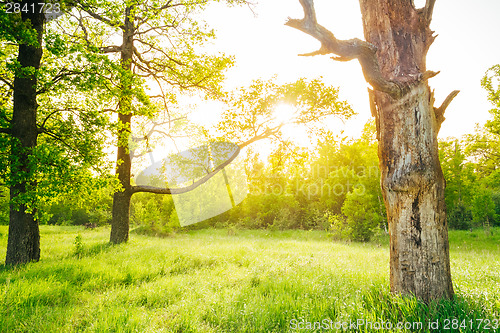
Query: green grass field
{"x":243,"y":281}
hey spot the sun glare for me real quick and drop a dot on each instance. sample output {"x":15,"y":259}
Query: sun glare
{"x":283,"y":113}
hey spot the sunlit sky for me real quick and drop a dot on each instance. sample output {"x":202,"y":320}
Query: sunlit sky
{"x":263,"y":46}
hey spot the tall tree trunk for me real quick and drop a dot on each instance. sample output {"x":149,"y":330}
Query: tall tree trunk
{"x":407,"y":128}
{"x":24,"y":236}
{"x":393,"y":62}
{"x":121,"y":200}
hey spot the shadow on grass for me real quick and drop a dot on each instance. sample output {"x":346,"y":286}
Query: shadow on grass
{"x":93,"y":250}
{"x":153,"y":232}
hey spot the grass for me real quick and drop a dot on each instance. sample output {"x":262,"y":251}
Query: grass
{"x":248,"y":281}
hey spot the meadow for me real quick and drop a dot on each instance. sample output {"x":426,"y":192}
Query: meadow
{"x":220,"y":280}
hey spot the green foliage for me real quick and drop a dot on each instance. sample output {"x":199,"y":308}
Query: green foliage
{"x":69,"y":156}
{"x":491,"y":83}
{"x":91,"y":207}
{"x":78,"y":246}
{"x":363,"y":214}
{"x":471,"y":183}
{"x":168,"y":37}
{"x":153,"y":214}
{"x":483,"y":208}
{"x":470,"y":168}
{"x":338,"y":226}
{"x":300,"y":189}
{"x":251,"y":110}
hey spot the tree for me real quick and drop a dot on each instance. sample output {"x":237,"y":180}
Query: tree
{"x":24,"y":236}
{"x":483,"y":148}
{"x":483,"y":208}
{"x":51,"y":139}
{"x":159,"y":42}
{"x":459,"y":176}
{"x":392,"y":59}
{"x":491,"y":83}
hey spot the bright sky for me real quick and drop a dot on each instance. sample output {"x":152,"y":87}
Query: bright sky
{"x":263,"y":46}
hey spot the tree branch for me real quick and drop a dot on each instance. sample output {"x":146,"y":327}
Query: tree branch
{"x":56,"y":137}
{"x":154,"y":130}
{"x":346,"y":50}
{"x":159,"y":190}
{"x":47,"y":118}
{"x":101,"y":18}
{"x":439,"y":112}
{"x":428,"y":10}
{"x":11,"y":86}
{"x":429,"y":74}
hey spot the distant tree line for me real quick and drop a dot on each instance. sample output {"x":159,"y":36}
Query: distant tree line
{"x":333,"y":186}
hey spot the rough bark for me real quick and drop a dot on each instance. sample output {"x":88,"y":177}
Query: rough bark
{"x":24,"y":236}
{"x":121,"y":200}
{"x":398,"y":37}
{"x":412,"y":180}
{"x":413,"y":189}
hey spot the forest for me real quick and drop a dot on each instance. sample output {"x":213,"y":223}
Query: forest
{"x":320,"y":188}
{"x":260,"y":217}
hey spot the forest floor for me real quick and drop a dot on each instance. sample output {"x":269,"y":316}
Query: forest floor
{"x":237,"y":281}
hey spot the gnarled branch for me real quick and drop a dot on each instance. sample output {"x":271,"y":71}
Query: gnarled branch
{"x":429,"y":74}
{"x":180,"y":190}
{"x":439,"y":112}
{"x":428,"y":10}
{"x":346,"y":50}
{"x":8,"y":83}
{"x":204,"y":179}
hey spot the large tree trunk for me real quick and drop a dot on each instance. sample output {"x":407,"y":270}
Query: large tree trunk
{"x":393,"y":62}
{"x":407,"y":127}
{"x":24,"y":236}
{"x":121,"y":200}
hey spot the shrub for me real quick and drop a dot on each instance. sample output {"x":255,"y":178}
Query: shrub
{"x":362,"y":215}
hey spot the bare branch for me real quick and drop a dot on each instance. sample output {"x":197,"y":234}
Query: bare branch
{"x":48,"y":117}
{"x":429,"y":74}
{"x":439,"y":112}
{"x":159,"y":190}
{"x":314,"y":53}
{"x":428,"y":10}
{"x":346,"y":50}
